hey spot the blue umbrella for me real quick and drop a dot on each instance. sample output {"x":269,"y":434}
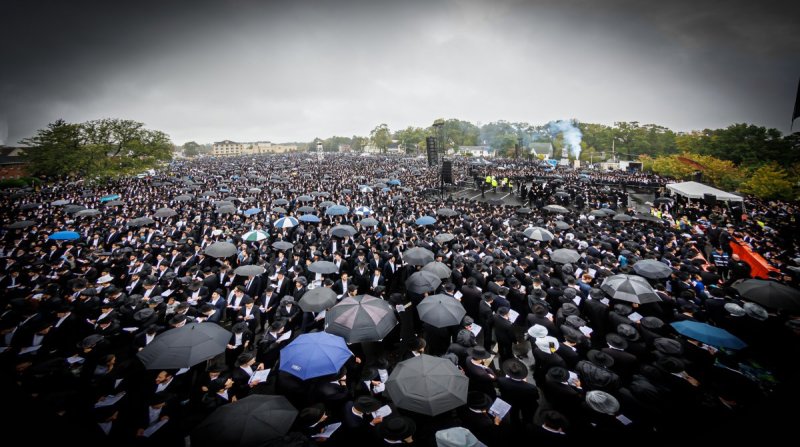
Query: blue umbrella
{"x":710,"y":335}
{"x":285,"y":222}
{"x":386,"y":189}
{"x":309,"y":218}
{"x":426,"y":220}
{"x":337,"y":210}
{"x":109,"y":198}
{"x":64,"y":236}
{"x":252,"y":211}
{"x":315,"y":354}
{"x":394,"y":182}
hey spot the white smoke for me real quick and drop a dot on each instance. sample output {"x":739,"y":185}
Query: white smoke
{"x":571,"y":134}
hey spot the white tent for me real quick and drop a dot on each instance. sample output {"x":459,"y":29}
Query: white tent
{"x":694,"y":190}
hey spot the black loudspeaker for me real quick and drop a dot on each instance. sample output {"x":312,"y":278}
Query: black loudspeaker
{"x":697,"y":176}
{"x":433,"y":155}
{"x":447,"y":172}
{"x":710,"y":199}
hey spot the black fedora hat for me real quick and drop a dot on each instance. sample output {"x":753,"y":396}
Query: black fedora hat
{"x":478,"y":400}
{"x":396,"y":428}
{"x":515,"y":369}
{"x":600,"y":358}
{"x":478,"y":353}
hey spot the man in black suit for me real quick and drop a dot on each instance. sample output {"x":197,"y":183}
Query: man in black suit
{"x":481,"y":377}
{"x":515,"y":389}
{"x":340,"y":286}
{"x":504,"y":333}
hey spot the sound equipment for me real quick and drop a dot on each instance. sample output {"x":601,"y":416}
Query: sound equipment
{"x":710,"y":199}
{"x":697,"y":176}
{"x":447,"y":172}
{"x":433,"y":155}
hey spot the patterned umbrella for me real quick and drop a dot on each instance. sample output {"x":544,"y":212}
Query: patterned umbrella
{"x":538,"y":234}
{"x":630,"y":288}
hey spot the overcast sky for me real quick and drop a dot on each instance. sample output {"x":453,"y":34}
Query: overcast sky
{"x":295,"y":70}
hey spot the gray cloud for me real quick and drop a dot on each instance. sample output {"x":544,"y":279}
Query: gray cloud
{"x":295,"y":70}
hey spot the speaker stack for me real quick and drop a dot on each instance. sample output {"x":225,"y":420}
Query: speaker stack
{"x":447,"y":172}
{"x":433,"y":155}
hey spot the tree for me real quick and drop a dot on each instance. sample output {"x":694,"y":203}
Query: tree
{"x":412,"y":138}
{"x":381,"y":136}
{"x":770,"y":181}
{"x":106,"y":148}
{"x":191,"y":149}
{"x":721,"y":173}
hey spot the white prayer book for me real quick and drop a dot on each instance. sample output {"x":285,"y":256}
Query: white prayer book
{"x":110,"y":400}
{"x":635,"y":317}
{"x":328,"y":431}
{"x":624,"y":419}
{"x":457,"y":295}
{"x":384,"y":375}
{"x":512,"y":315}
{"x":130,"y":329}
{"x":475,"y":329}
{"x":153,"y":428}
{"x":499,"y":408}
{"x":382,"y":412}
{"x":286,"y":335}
{"x":260,"y":376}
{"x":75,"y":359}
{"x":29,"y":349}
{"x":586,"y":330}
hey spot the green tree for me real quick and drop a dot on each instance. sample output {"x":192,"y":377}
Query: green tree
{"x":191,"y":149}
{"x":106,"y":148}
{"x":381,"y":136}
{"x":412,"y":138}
{"x":770,"y":181}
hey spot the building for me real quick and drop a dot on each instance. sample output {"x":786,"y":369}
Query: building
{"x":476,"y":151}
{"x":228,"y":148}
{"x":12,"y":162}
{"x":345,"y":148}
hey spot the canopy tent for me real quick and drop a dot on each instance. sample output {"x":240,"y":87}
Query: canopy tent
{"x":694,"y":190}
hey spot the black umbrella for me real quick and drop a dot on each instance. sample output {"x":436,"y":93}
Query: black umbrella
{"x":633,"y":289}
{"x":343,"y":230}
{"x":439,"y":269}
{"x":323,"y":267}
{"x":538,"y":234}
{"x":441,"y":310}
{"x":561,"y":225}
{"x":282,"y":245}
{"x":185,"y":346}
{"x":30,"y":206}
{"x":360,"y":318}
{"x":140,"y":221}
{"x":248,"y":422}
{"x":447,"y":212}
{"x":220,"y":250}
{"x":317,"y":300}
{"x":565,"y":256}
{"x":249,"y":270}
{"x":523,"y":210}
{"x":651,"y":268}
{"x":422,"y":281}
{"x":427,"y":385}
{"x":443,"y":238}
{"x":769,"y":294}
{"x":21,"y":224}
{"x":165,"y":212}
{"x":623,"y":218}
{"x":556,"y":209}
{"x":418,"y":256}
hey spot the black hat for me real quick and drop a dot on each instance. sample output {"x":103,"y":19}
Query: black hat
{"x":623,"y":309}
{"x":478,"y":353}
{"x":653,"y":323}
{"x":244,"y":358}
{"x":310,"y":415}
{"x":396,"y":428}
{"x":672,"y":365}
{"x":616,"y":341}
{"x":143,"y":314}
{"x":478,"y":400}
{"x":515,"y":369}
{"x":575,"y":321}
{"x":557,"y":374}
{"x":366,"y":404}
{"x":600,"y":358}
{"x":628,"y":332}
{"x":568,"y":309}
{"x":668,"y":346}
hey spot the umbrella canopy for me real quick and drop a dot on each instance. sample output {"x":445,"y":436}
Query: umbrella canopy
{"x":61,"y":202}
{"x":422,"y":281}
{"x":220,"y":250}
{"x":249,"y":270}
{"x":598,"y":213}
{"x":109,"y":198}
{"x":279,"y":210}
{"x":165,"y":212}
{"x":523,"y":210}
{"x":64,"y":236}
{"x":280,"y":202}
{"x":248,"y":422}
{"x":71,"y":209}
{"x":441,"y":310}
{"x":418,"y":256}
{"x":710,"y":335}
{"x":317,"y":300}
{"x":226,"y":209}
{"x":326,"y":204}
{"x":305,"y":198}
{"x":447,"y":212}
{"x":394,"y":182}
{"x":427,"y":385}
{"x":622,"y":218}
{"x":255,"y":236}
{"x":343,"y":231}
{"x":254,"y":190}
{"x":769,"y":294}
{"x":115,"y":203}
{"x":443,"y":238}
{"x":440,"y":269}
{"x":306,"y":209}
{"x":648,"y":218}
{"x":363,"y":211}
{"x":282,"y":245}
{"x":369,"y":222}
{"x":565,"y":256}
{"x":140,"y":222}
{"x":323,"y":267}
{"x":309,"y":218}
{"x":285,"y":222}
{"x":425,"y":220}
{"x":360,"y":318}
{"x":630,"y":288}
{"x":88,"y":213}
{"x":337,"y":210}
{"x":185,"y":346}
{"x":653,"y":269}
{"x":252,"y":211}
{"x":21,"y":224}
{"x":365,"y":188}
{"x":561,"y":225}
{"x":556,"y":209}
{"x":314,"y":354}
{"x":538,"y":234}
{"x":30,"y":206}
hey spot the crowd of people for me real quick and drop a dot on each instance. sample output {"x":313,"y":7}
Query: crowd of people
{"x":574,"y":363}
